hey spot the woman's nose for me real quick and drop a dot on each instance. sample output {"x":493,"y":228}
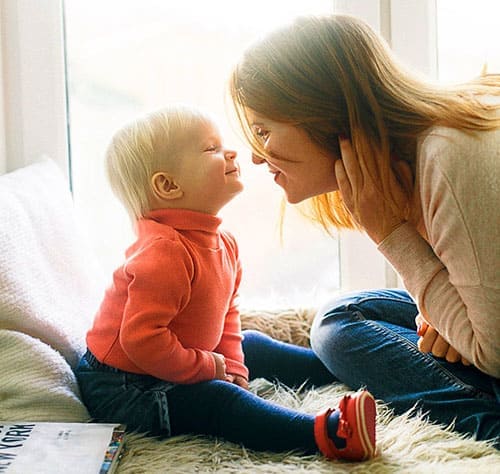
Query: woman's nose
{"x":257,"y":160}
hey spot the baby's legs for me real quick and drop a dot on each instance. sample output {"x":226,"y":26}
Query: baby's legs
{"x":217,"y":408}
{"x":290,"y":364}
{"x":223,"y":409}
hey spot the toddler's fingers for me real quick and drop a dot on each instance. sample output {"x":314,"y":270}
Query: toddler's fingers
{"x":241,"y":382}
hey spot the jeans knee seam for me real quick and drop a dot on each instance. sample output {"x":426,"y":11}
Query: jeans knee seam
{"x":379,"y":298}
{"x":428,"y":360}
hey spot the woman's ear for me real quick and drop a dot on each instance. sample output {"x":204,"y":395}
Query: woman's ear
{"x":165,"y":187}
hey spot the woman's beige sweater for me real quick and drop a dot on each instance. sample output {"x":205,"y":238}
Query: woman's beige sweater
{"x":454,"y":275}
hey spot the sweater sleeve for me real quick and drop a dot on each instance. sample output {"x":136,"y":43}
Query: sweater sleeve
{"x":230,"y":344}
{"x":454,"y":276}
{"x":160,"y":287}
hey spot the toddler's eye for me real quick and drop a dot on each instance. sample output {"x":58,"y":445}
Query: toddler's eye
{"x":211,"y":148}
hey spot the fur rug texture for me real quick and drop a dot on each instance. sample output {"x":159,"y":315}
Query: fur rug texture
{"x":406,"y":443}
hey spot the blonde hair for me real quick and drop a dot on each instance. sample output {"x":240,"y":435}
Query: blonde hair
{"x":334,"y":76}
{"x":151,"y":143}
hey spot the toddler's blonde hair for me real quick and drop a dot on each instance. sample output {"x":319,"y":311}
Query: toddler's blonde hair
{"x":145,"y":146}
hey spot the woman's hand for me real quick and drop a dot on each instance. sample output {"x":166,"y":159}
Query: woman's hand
{"x":431,"y":341}
{"x":366,"y":203}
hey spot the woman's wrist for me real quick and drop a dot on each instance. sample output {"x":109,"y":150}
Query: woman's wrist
{"x":381,"y":235}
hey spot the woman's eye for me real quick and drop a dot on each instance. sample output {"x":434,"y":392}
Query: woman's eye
{"x":262,"y":134}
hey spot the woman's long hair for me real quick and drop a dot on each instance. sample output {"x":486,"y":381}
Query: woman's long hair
{"x":334,"y":76}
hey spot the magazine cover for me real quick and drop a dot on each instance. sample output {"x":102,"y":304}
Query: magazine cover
{"x":53,"y":448}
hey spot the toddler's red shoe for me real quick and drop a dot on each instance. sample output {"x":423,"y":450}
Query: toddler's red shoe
{"x":356,"y":425}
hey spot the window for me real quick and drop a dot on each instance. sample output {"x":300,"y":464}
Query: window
{"x":127,"y":57}
{"x":100,"y":73}
{"x":468,"y":38}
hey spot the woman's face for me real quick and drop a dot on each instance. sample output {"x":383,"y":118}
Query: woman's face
{"x":300,"y":166}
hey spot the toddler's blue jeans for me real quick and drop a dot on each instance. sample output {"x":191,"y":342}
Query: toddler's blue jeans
{"x":159,"y":408}
{"x":368,"y":339}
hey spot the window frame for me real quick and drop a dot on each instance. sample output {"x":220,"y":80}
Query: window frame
{"x":409,"y":26}
{"x":35,"y":119}
{"x":33,"y":85}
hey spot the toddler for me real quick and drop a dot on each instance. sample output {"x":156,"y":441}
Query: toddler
{"x":166,"y":355}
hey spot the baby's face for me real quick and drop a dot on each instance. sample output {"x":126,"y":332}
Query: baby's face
{"x":208,"y":174}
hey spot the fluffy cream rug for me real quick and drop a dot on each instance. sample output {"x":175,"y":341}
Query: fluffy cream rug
{"x":406,"y":444}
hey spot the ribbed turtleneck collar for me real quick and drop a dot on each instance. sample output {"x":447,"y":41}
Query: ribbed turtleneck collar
{"x":199,"y":227}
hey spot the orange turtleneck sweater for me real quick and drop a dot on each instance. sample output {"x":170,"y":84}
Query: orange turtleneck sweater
{"x":173,"y":302}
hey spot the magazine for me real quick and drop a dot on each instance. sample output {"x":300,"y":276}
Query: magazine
{"x":53,"y":448}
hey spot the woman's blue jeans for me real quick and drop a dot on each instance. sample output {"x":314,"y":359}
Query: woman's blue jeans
{"x":368,"y":339}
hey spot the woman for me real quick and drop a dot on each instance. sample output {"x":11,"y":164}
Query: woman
{"x":416,"y":166}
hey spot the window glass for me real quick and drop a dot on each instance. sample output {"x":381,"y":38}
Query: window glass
{"x":128,"y":57}
{"x":468,"y":38}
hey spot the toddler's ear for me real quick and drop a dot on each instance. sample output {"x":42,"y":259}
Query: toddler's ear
{"x":165,"y":187}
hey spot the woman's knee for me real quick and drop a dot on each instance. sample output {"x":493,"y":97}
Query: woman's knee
{"x":340,"y":322}
{"x":334,"y":313}
{"x":395,"y":306}
{"x":328,"y":328}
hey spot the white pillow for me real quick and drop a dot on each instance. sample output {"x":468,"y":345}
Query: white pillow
{"x":49,"y":281}
{"x":36,"y":383}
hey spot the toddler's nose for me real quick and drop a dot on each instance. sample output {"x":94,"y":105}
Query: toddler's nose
{"x":230,"y":154}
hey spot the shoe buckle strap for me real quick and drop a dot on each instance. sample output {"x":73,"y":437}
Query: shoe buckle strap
{"x":344,"y":429}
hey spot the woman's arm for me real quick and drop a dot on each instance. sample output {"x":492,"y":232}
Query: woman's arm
{"x":454,"y":276}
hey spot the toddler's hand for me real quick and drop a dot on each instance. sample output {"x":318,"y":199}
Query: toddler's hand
{"x":220,"y":367}
{"x":240,"y":381}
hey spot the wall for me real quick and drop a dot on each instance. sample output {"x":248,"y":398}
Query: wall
{"x":3,"y":158}
{"x":33,"y":94}
{"x":33,"y":90}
